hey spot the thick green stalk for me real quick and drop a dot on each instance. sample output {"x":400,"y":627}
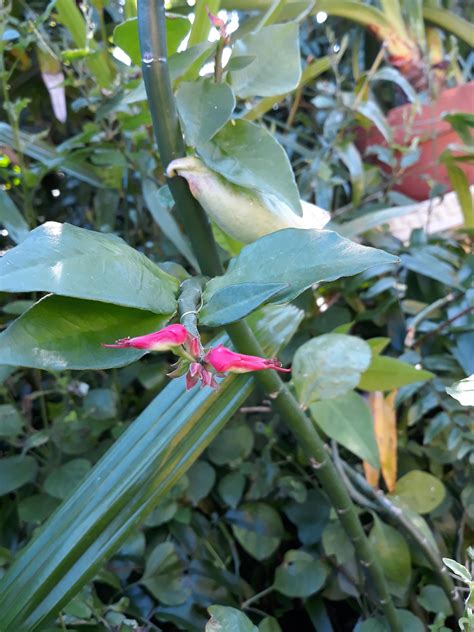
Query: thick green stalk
{"x":151,"y":20}
{"x":400,"y":520}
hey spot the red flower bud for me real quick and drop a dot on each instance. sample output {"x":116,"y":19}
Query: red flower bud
{"x":164,"y":340}
{"x":224,"y":360}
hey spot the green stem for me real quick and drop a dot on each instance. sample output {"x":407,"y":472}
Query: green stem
{"x":398,"y":517}
{"x":151,"y":21}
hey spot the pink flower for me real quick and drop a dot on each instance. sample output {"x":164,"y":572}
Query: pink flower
{"x":163,"y":340}
{"x":197,"y":372}
{"x":224,"y":360}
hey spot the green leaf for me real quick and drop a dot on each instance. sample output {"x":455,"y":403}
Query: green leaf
{"x":388,"y":73}
{"x":347,"y":420}
{"x":160,"y":202}
{"x":163,"y":575}
{"x":60,"y":333}
{"x":336,"y":542}
{"x":433,"y":599}
{"x":328,"y":366}
{"x":269,"y":624}
{"x":386,"y":373}
{"x":231,"y":487}
{"x":458,"y":569}
{"x":424,"y":263}
{"x":35,"y":509}
{"x":449,"y":21}
{"x":65,"y":479}
{"x":296,"y":257}
{"x":11,"y":422}
{"x":232,"y":444}
{"x":204,"y":108}
{"x":276,"y":68}
{"x":71,"y":17}
{"x":310,"y":517}
{"x":226,"y":619}
{"x":248,"y":155}
{"x":350,"y":156}
{"x":463,"y":391}
{"x":126,"y":36}
{"x":125,"y":485}
{"x":258,"y":528}
{"x":72,"y":261}
{"x":202,"y":477}
{"x":100,"y":404}
{"x":225,"y":307}
{"x":300,"y":575}
{"x":420,"y":491}
{"x":393,"y":555}
{"x":16,"y":471}
{"x":12,"y":219}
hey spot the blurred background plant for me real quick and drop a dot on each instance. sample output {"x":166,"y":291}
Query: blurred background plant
{"x":76,"y":146}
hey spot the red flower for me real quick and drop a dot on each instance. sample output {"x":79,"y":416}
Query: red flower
{"x":224,"y":360}
{"x":197,"y":372}
{"x":164,"y":340}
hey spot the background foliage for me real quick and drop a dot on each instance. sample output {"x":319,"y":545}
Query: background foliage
{"x":248,"y":526}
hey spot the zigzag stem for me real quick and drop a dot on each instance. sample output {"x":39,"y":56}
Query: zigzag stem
{"x":152,"y":32}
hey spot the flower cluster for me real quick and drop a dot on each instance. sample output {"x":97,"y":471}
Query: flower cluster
{"x":198,"y":365}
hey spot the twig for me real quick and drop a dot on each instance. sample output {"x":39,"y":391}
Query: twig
{"x":397,"y":515}
{"x":446,"y":323}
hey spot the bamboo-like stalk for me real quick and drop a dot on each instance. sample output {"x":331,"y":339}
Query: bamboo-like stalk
{"x":399,"y":519}
{"x":152,"y":32}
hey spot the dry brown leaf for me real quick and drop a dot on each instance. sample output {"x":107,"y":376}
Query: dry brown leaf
{"x":385,"y":427}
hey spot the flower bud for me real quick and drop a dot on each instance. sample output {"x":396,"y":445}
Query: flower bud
{"x":242,"y":213}
{"x":224,"y":360}
{"x":166,"y":339}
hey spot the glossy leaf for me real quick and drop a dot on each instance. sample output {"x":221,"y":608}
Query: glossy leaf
{"x":202,"y":477}
{"x":248,"y":155}
{"x":350,"y":156}
{"x":463,"y":391}
{"x":226,"y":619}
{"x":61,"y":482}
{"x":258,"y":529}
{"x":204,"y":108}
{"x":72,"y":261}
{"x":178,"y":63}
{"x":310,"y":517}
{"x":433,"y":599}
{"x":393,"y":554}
{"x":420,"y":491}
{"x":11,"y":422}
{"x":160,"y":204}
{"x":429,"y":265}
{"x":60,"y":333}
{"x":347,"y":420}
{"x":386,"y":373}
{"x":223,"y":307}
{"x":321,"y":255}
{"x":12,"y":219}
{"x":232,"y":444}
{"x":300,"y":575}
{"x":126,"y":36}
{"x":276,"y":68}
{"x":16,"y":471}
{"x":124,"y":486}
{"x":328,"y":366}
